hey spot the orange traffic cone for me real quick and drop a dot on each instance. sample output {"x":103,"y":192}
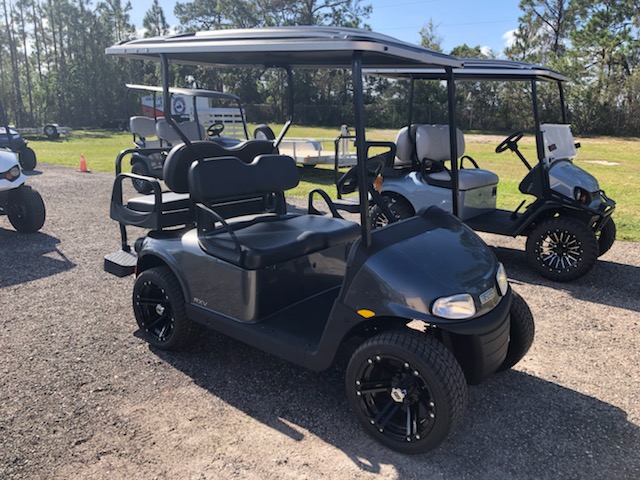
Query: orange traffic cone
{"x":83,"y":165}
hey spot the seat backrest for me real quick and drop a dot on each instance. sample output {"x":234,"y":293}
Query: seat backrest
{"x":431,"y":142}
{"x":175,"y":170}
{"x":247,"y":151}
{"x":216,"y":180}
{"x":143,"y":127}
{"x":176,"y":166}
{"x":192,"y":130}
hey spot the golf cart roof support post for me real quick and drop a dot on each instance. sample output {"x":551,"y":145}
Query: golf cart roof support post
{"x":538,"y":131}
{"x":4,"y":122}
{"x":453,"y":140}
{"x":290,"y":98}
{"x":412,"y":139}
{"x":563,"y":106}
{"x":358,"y":109}
{"x":195,"y":116}
{"x":155,"y":110}
{"x":166,"y":97}
{"x":244,"y":120}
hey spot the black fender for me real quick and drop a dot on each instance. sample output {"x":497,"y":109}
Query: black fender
{"x":412,"y":263}
{"x":156,"y":253}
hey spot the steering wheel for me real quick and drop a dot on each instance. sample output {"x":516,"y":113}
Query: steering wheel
{"x":348,"y":183}
{"x":215,"y":130}
{"x":510,"y":143}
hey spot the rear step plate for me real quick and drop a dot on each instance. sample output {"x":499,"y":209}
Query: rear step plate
{"x":120,"y":263}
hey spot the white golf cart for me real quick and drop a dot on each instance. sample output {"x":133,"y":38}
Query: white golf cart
{"x":199,"y":114}
{"x":21,"y":203}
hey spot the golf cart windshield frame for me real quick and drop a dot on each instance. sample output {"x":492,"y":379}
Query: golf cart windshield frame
{"x":292,"y":47}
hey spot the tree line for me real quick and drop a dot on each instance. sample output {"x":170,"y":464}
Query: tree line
{"x":53,"y":67}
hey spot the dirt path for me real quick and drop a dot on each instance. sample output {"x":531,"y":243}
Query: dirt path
{"x":83,"y":396}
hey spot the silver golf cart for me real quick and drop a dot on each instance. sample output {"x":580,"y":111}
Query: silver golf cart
{"x":567,"y":223}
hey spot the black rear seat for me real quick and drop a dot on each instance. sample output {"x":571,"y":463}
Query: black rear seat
{"x":266,"y":238}
{"x":166,"y":209}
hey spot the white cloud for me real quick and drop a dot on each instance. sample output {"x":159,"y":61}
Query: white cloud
{"x":486,"y":51}
{"x":509,"y":38}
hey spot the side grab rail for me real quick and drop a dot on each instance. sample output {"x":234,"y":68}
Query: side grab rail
{"x":122,"y":214}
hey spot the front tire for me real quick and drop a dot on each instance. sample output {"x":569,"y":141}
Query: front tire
{"x":521,"y":332}
{"x":407,"y":391}
{"x":606,"y":237}
{"x":562,"y":248}
{"x":27,"y":158}
{"x":26,"y":210}
{"x":159,"y":308}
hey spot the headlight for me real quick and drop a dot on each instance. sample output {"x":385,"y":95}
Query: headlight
{"x":582,"y":196}
{"x":13,"y":173}
{"x":501,"y":278}
{"x":456,"y":307}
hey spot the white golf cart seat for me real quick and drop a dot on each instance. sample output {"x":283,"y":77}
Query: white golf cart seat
{"x":268,"y":237}
{"x":193,"y":131}
{"x":144,"y":129}
{"x":431,"y":147}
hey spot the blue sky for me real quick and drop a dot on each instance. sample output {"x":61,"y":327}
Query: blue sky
{"x":474,"y":22}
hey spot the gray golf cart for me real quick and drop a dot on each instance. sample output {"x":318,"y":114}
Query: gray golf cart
{"x":568,"y":223}
{"x":424,"y":301}
{"x":199,"y":114}
{"x":11,"y":139}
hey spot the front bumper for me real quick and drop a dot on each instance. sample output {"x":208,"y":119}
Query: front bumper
{"x":480,"y":345}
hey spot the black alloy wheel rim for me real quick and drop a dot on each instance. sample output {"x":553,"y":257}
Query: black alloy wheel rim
{"x":380,"y":221}
{"x":560,"y":250}
{"x":396,"y":398}
{"x":156,"y":314}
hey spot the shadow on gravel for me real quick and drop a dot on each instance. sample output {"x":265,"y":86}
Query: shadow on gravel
{"x":517,"y":425}
{"x":32,"y":173}
{"x":608,"y":283}
{"x":28,"y":257}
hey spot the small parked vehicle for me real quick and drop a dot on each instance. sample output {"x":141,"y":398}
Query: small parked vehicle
{"x":21,"y":203}
{"x":201,"y":114}
{"x":568,"y":223}
{"x":12,"y":140}
{"x":423,"y":306}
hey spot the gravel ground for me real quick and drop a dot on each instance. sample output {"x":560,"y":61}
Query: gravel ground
{"x":83,"y":396}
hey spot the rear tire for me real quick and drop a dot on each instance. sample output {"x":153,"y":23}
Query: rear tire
{"x":400,"y":208}
{"x":263,"y":132}
{"x":606,"y":237}
{"x":562,"y":248}
{"x":521,"y":332}
{"x":159,"y":308}
{"x":26,"y":210}
{"x":407,"y":391}
{"x":27,"y":158}
{"x":141,"y":186}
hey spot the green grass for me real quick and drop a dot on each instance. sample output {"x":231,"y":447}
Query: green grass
{"x":619,"y":180}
